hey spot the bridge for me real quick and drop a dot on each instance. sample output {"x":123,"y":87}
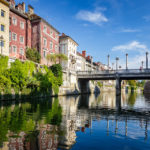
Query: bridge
{"x":118,"y":75}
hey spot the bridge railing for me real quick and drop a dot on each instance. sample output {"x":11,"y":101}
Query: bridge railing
{"x":120,"y":71}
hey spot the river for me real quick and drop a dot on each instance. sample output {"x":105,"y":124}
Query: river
{"x":87,"y":122}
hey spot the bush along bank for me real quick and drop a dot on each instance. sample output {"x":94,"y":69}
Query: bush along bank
{"x":24,"y":79}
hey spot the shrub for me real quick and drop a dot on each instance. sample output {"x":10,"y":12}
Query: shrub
{"x":33,"y":55}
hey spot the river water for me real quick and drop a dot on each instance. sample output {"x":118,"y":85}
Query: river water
{"x":87,"y":122}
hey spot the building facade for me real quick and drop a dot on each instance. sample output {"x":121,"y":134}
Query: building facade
{"x":4,"y":28}
{"x":19,"y":31}
{"x":45,"y":38}
{"x":68,"y":47}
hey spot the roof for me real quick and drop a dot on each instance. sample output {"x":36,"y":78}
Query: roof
{"x":35,"y":17}
{"x":18,"y":12}
{"x":63,"y":36}
{"x":4,"y":2}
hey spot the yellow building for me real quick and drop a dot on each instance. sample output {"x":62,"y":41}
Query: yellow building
{"x":4,"y":28}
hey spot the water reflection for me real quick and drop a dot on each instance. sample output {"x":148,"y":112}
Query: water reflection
{"x":78,"y":122}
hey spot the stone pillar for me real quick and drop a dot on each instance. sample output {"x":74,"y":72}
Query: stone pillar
{"x":126,"y":61}
{"x":108,"y":61}
{"x":146,"y":60}
{"x":117,"y":63}
{"x":118,"y":87}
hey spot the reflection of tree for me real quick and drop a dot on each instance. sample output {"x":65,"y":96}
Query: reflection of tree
{"x":54,"y":115}
{"x":132,"y":99}
{"x":27,"y":117}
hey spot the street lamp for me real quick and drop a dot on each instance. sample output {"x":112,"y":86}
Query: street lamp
{"x":112,"y":66}
{"x":126,"y":61}
{"x":117,"y":58}
{"x":1,"y":40}
{"x":146,"y":60}
{"x":108,"y":61}
{"x":142,"y":64}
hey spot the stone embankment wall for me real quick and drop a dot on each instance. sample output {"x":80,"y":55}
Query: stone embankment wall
{"x":147,"y":87}
{"x":71,"y":86}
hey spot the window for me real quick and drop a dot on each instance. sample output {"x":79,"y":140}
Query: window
{"x":51,"y":45}
{"x":44,"y":54}
{"x":56,"y":37}
{"x":22,"y":25}
{"x":45,"y":29}
{"x":9,"y":35}
{"x":2,"y":27}
{"x":56,"y":48}
{"x":9,"y":20}
{"x":45,"y":42}
{"x":2,"y":13}
{"x":51,"y":33}
{"x":21,"y":39}
{"x":14,"y":21}
{"x":14,"y":36}
{"x":2,"y":43}
{"x":9,"y":49}
{"x":21,"y":51}
{"x":14,"y":49}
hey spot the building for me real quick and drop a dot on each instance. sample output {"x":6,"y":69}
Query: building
{"x":45,"y":38}
{"x":27,"y":29}
{"x":4,"y":27}
{"x":19,"y":31}
{"x":80,"y":61}
{"x":68,"y":46}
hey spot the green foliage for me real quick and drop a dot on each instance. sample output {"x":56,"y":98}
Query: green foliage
{"x":25,"y":78}
{"x":54,"y":57}
{"x":100,"y":84}
{"x":33,"y":55}
{"x":57,"y":70}
{"x":3,"y":63}
{"x":132,"y":83}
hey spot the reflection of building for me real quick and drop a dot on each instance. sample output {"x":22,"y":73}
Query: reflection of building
{"x":48,"y":138}
{"x":4,"y":27}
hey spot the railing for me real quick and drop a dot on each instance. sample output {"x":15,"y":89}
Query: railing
{"x":120,"y":71}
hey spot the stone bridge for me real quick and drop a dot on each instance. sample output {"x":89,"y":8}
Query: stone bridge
{"x":118,"y":75}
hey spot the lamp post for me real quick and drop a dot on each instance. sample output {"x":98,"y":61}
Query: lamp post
{"x":142,"y":64}
{"x":146,"y":60}
{"x":117,"y":58}
{"x":126,"y":61}
{"x":1,"y":40}
{"x":108,"y":61}
{"x":112,"y":66}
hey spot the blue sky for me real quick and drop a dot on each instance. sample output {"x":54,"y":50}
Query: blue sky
{"x":102,"y":27}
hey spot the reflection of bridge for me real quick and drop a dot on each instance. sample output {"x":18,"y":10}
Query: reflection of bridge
{"x":118,"y":75}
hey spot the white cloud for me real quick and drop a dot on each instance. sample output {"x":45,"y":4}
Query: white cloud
{"x":95,"y":17}
{"x":146,"y":18}
{"x":132,"y":46}
{"x":134,"y":59}
{"x":130,"y":30}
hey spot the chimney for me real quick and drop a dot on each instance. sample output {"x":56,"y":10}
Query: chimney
{"x":12,"y":3}
{"x":23,"y":7}
{"x":84,"y":53}
{"x":30,"y":10}
{"x":63,"y":34}
{"x":91,"y":59}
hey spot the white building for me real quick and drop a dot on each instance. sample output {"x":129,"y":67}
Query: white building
{"x":68,"y":47}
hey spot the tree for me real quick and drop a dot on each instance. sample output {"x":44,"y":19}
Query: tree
{"x":51,"y":58}
{"x":61,"y":57}
{"x":33,"y":55}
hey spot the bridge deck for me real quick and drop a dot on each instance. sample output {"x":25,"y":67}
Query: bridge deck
{"x":114,"y":74}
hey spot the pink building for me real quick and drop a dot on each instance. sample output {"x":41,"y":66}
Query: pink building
{"x":20,"y":31}
{"x":30,"y":30}
{"x":45,"y":38}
